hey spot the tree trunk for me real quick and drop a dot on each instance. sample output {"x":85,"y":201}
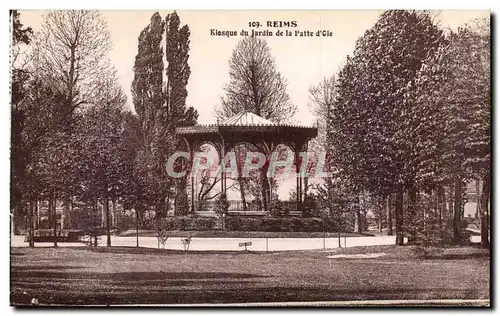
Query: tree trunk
{"x":412,"y":213}
{"x":264,"y":184}
{"x":305,"y":188}
{"x":137,"y":226}
{"x":30,"y":218}
{"x":359,"y":222}
{"x":457,"y":211}
{"x":49,"y":213}
{"x":95,"y":219}
{"x":108,"y":221}
{"x":364,"y":222}
{"x":441,"y":199}
{"x":398,"y":212}
{"x":103,"y":216}
{"x":193,"y":202}
{"x":241,"y":183}
{"x":36,"y":216}
{"x":71,"y":219}
{"x":269,"y":193}
{"x":389,"y":216}
{"x":449,"y":218}
{"x":65,"y":215}
{"x":242,"y":193}
{"x":13,"y":220}
{"x":113,"y":213}
{"x":340,"y":245}
{"x":380,"y":207}
{"x":54,"y":218}
{"x":478,"y":199}
{"x":484,"y":212}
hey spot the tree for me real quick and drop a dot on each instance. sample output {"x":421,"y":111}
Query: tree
{"x":256,"y":86}
{"x":372,"y":143}
{"x":147,"y":87}
{"x":451,"y":110}
{"x":56,"y":169}
{"x":104,"y":154}
{"x":322,"y":103}
{"x":161,"y":105}
{"x":335,"y":197}
{"x":19,"y":94}
{"x":20,"y":36}
{"x":472,"y":94}
{"x":208,"y":180}
{"x":140,"y":186}
{"x":73,"y":47}
{"x":65,"y":69}
{"x":177,"y":75}
{"x":221,"y":208}
{"x":332,"y":194}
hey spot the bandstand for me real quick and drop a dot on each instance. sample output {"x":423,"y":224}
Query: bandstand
{"x":247,"y":128}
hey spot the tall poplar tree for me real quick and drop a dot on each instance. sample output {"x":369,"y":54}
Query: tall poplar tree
{"x":159,"y":95}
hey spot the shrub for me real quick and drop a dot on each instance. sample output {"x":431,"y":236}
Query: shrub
{"x":180,"y":223}
{"x":271,"y":224}
{"x":279,"y":208}
{"x":314,"y":225}
{"x":427,"y":252}
{"x":309,"y":206}
{"x":250,"y":224}
{"x":221,"y":205}
{"x":423,"y":227}
{"x":243,"y":223}
{"x":239,"y":223}
{"x":233,"y":223}
{"x":299,"y":224}
{"x":202,"y":223}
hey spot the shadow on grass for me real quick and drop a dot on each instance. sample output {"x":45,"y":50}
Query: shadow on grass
{"x":143,"y":250}
{"x":452,"y":256}
{"x":51,"y":287}
{"x":28,"y":269}
{"x":245,"y":294}
{"x":38,"y":272}
{"x":15,"y":252}
{"x":157,"y":287}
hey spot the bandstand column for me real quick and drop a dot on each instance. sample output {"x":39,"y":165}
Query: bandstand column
{"x":191,"y":156}
{"x":299,"y":179}
{"x":222,"y":167}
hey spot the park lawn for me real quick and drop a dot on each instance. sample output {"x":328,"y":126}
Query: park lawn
{"x":238,"y":234}
{"x":121,"y":275}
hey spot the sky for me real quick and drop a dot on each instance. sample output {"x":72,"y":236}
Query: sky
{"x":303,"y":61}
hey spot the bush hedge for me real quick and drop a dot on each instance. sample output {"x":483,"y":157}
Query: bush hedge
{"x":264,"y":224}
{"x":188,"y":223}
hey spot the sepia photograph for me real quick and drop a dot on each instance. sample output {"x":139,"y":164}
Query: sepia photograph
{"x":250,"y":158}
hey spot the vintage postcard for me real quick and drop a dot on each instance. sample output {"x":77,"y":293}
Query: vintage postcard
{"x":250,"y":158}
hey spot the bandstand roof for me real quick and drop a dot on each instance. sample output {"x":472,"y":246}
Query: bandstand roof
{"x":245,"y":119}
{"x":246,"y":122}
{"x":249,"y":128}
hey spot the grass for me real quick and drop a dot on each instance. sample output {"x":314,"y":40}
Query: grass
{"x":239,"y":234}
{"x":122,"y":275}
